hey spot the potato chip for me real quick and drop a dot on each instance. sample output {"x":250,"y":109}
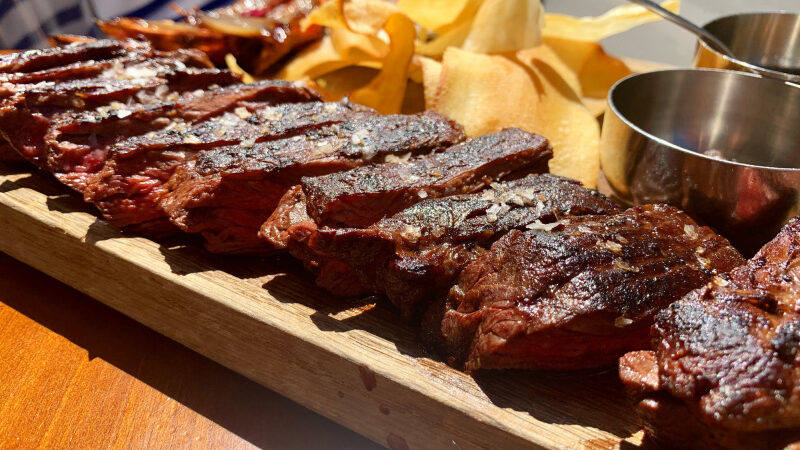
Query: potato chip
{"x":357,"y":47}
{"x":594,"y":29}
{"x":354,"y":25}
{"x":505,"y":26}
{"x":363,"y":33}
{"x":530,"y":94}
{"x":488,"y":26}
{"x":234,"y":67}
{"x":386,"y":91}
{"x":359,"y":16}
{"x":452,"y":38}
{"x":436,"y":15}
{"x":595,"y":69}
{"x":320,"y":58}
{"x":341,"y":83}
{"x":596,"y":106}
{"x":366,"y":16}
{"x":431,"y":73}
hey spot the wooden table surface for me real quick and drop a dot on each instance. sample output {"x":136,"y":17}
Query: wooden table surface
{"x":75,"y":373}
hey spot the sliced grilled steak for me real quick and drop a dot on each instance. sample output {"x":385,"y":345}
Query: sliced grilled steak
{"x":32,"y":111}
{"x":251,"y":120}
{"x":142,"y":81}
{"x":37,"y":60}
{"x":417,"y":253}
{"x":579,"y":295}
{"x":128,"y":188}
{"x":362,"y":196}
{"x":726,"y":358}
{"x":77,"y":70}
{"x":227,"y":193}
{"x":79,"y":146}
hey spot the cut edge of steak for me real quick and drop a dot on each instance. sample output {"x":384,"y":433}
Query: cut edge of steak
{"x":131,"y":183}
{"x":412,"y":255}
{"x":43,"y":59}
{"x":227,"y":193}
{"x":364,"y":195}
{"x":579,"y":295}
{"x":726,"y":356}
{"x":58,"y":109}
{"x":253,"y":120}
{"x":670,"y":422}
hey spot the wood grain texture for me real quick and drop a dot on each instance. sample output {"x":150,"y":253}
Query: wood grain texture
{"x":75,"y":373}
{"x":357,"y":364}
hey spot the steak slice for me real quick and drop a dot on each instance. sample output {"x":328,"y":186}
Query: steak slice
{"x":122,"y":66}
{"x":76,"y":70}
{"x":726,"y":358}
{"x":32,"y":111}
{"x":87,"y":93}
{"x":251,"y":120}
{"x":128,"y":188}
{"x":79,"y":145}
{"x":418,"y":252}
{"x":362,"y":196}
{"x":43,"y":59}
{"x":227,"y":193}
{"x":579,"y":295}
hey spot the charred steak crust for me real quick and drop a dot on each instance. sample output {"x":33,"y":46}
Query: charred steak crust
{"x":728,"y":354}
{"x":38,"y":108}
{"x":43,"y":59}
{"x":251,"y":120}
{"x":362,"y":196}
{"x":411,"y":256}
{"x":131,"y":183}
{"x":361,"y":140}
{"x":92,"y":122}
{"x":581,"y":294}
{"x":227,"y":193}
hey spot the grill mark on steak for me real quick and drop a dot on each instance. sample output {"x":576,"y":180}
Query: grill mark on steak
{"x":169,"y":117}
{"x":227,"y":193}
{"x":43,"y":59}
{"x":252,"y":121}
{"x":415,"y":253}
{"x":362,"y":196}
{"x":85,"y":93}
{"x":131,"y":182}
{"x":68,"y":126}
{"x":363,"y":139}
{"x":726,"y":355}
{"x":129,"y":65}
{"x":80,"y":145}
{"x":580,"y":295}
{"x":80,"y":69}
{"x":35,"y":110}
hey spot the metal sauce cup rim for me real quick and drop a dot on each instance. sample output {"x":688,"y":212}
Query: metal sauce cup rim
{"x":669,"y":144}
{"x":769,"y":72}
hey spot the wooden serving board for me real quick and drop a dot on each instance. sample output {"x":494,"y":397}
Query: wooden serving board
{"x":357,"y":364}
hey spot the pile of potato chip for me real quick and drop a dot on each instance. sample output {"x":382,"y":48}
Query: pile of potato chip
{"x":488,"y":64}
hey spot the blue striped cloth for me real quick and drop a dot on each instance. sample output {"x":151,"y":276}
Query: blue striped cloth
{"x":27,"y":23}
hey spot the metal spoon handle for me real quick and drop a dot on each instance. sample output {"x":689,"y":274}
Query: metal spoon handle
{"x":689,"y":26}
